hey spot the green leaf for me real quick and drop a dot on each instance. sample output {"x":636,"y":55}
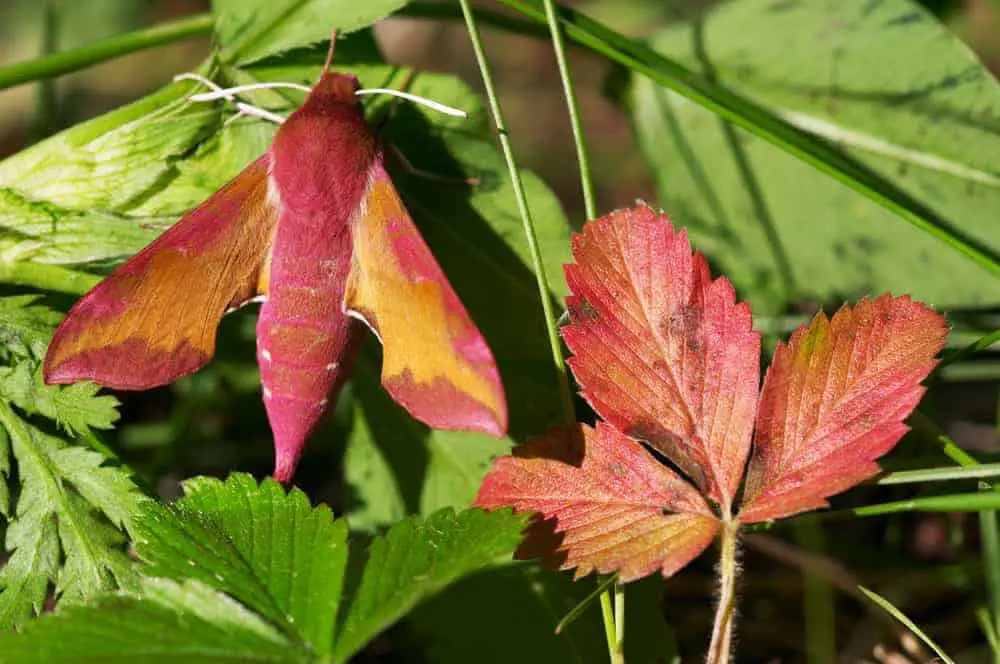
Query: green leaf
{"x":75,"y":407}
{"x":164,"y":622}
{"x":744,"y":112}
{"x":413,"y":560}
{"x":250,"y":30}
{"x":268,"y":549}
{"x":25,"y":327}
{"x":888,"y":607}
{"x":396,"y":466}
{"x":927,"y":129}
{"x":57,"y":533}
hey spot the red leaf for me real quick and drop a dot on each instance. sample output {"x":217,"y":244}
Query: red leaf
{"x":662,"y":352}
{"x":834,"y":400}
{"x":615,"y":506}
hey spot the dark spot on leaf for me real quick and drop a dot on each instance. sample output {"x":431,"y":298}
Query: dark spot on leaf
{"x":909,"y":18}
{"x":583,"y":310}
{"x":686,"y":324}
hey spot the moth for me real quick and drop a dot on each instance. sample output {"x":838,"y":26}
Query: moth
{"x":315,"y":230}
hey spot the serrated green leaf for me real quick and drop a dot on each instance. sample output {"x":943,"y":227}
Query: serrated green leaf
{"x":26,"y":575}
{"x":271,"y":550}
{"x":926,"y":128}
{"x":164,"y":622}
{"x":249,"y":30}
{"x":396,"y":466}
{"x":415,"y":559}
{"x":56,"y":536}
{"x":75,"y":407}
{"x":26,"y":327}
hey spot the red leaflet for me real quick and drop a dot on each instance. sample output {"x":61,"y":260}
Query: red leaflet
{"x":668,"y":358}
{"x":316,"y":228}
{"x":834,"y":400}
{"x":661,"y":351}
{"x":616,"y":507}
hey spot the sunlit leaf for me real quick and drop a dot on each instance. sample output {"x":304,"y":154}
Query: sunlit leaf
{"x":661,"y":351}
{"x":614,"y":507}
{"x":834,"y":400}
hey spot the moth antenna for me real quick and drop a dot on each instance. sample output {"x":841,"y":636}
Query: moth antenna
{"x":228,"y":93}
{"x":242,"y":109}
{"x":417,"y":99}
{"x":208,"y":83}
{"x":329,"y":53}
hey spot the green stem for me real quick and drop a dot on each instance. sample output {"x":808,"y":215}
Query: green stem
{"x":608,"y":616}
{"x":818,"y":599}
{"x":586,"y":181}
{"x":616,"y":647}
{"x":620,"y":621}
{"x":569,"y":416}
{"x":107,"y":49}
{"x":719,"y":651}
{"x":982,"y":343}
{"x":990,"y":552}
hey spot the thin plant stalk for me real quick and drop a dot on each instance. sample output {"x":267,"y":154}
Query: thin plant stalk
{"x":569,"y":417}
{"x":818,"y":598}
{"x":582,"y":158}
{"x":720,"y":649}
{"x":617,"y":635}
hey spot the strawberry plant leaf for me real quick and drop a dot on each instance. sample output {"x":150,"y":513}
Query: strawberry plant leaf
{"x":834,"y":400}
{"x":164,"y":621}
{"x":614,"y":507}
{"x":415,"y":559}
{"x":250,"y":30}
{"x":270,"y":550}
{"x":661,"y":351}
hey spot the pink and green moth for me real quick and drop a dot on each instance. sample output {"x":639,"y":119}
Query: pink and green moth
{"x":317,"y":232}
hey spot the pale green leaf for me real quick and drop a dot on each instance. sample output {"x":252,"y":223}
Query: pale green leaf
{"x":164,"y":622}
{"x":785,"y":232}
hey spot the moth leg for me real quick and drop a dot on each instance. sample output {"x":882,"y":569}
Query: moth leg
{"x":434,"y":177}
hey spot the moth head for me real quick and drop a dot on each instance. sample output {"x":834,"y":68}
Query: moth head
{"x":335,"y":87}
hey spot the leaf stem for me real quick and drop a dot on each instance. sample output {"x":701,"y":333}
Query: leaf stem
{"x":558,"y":45}
{"x":76,"y":59}
{"x":620,"y":620}
{"x":608,"y":616}
{"x":569,"y":416}
{"x":725,"y":611}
